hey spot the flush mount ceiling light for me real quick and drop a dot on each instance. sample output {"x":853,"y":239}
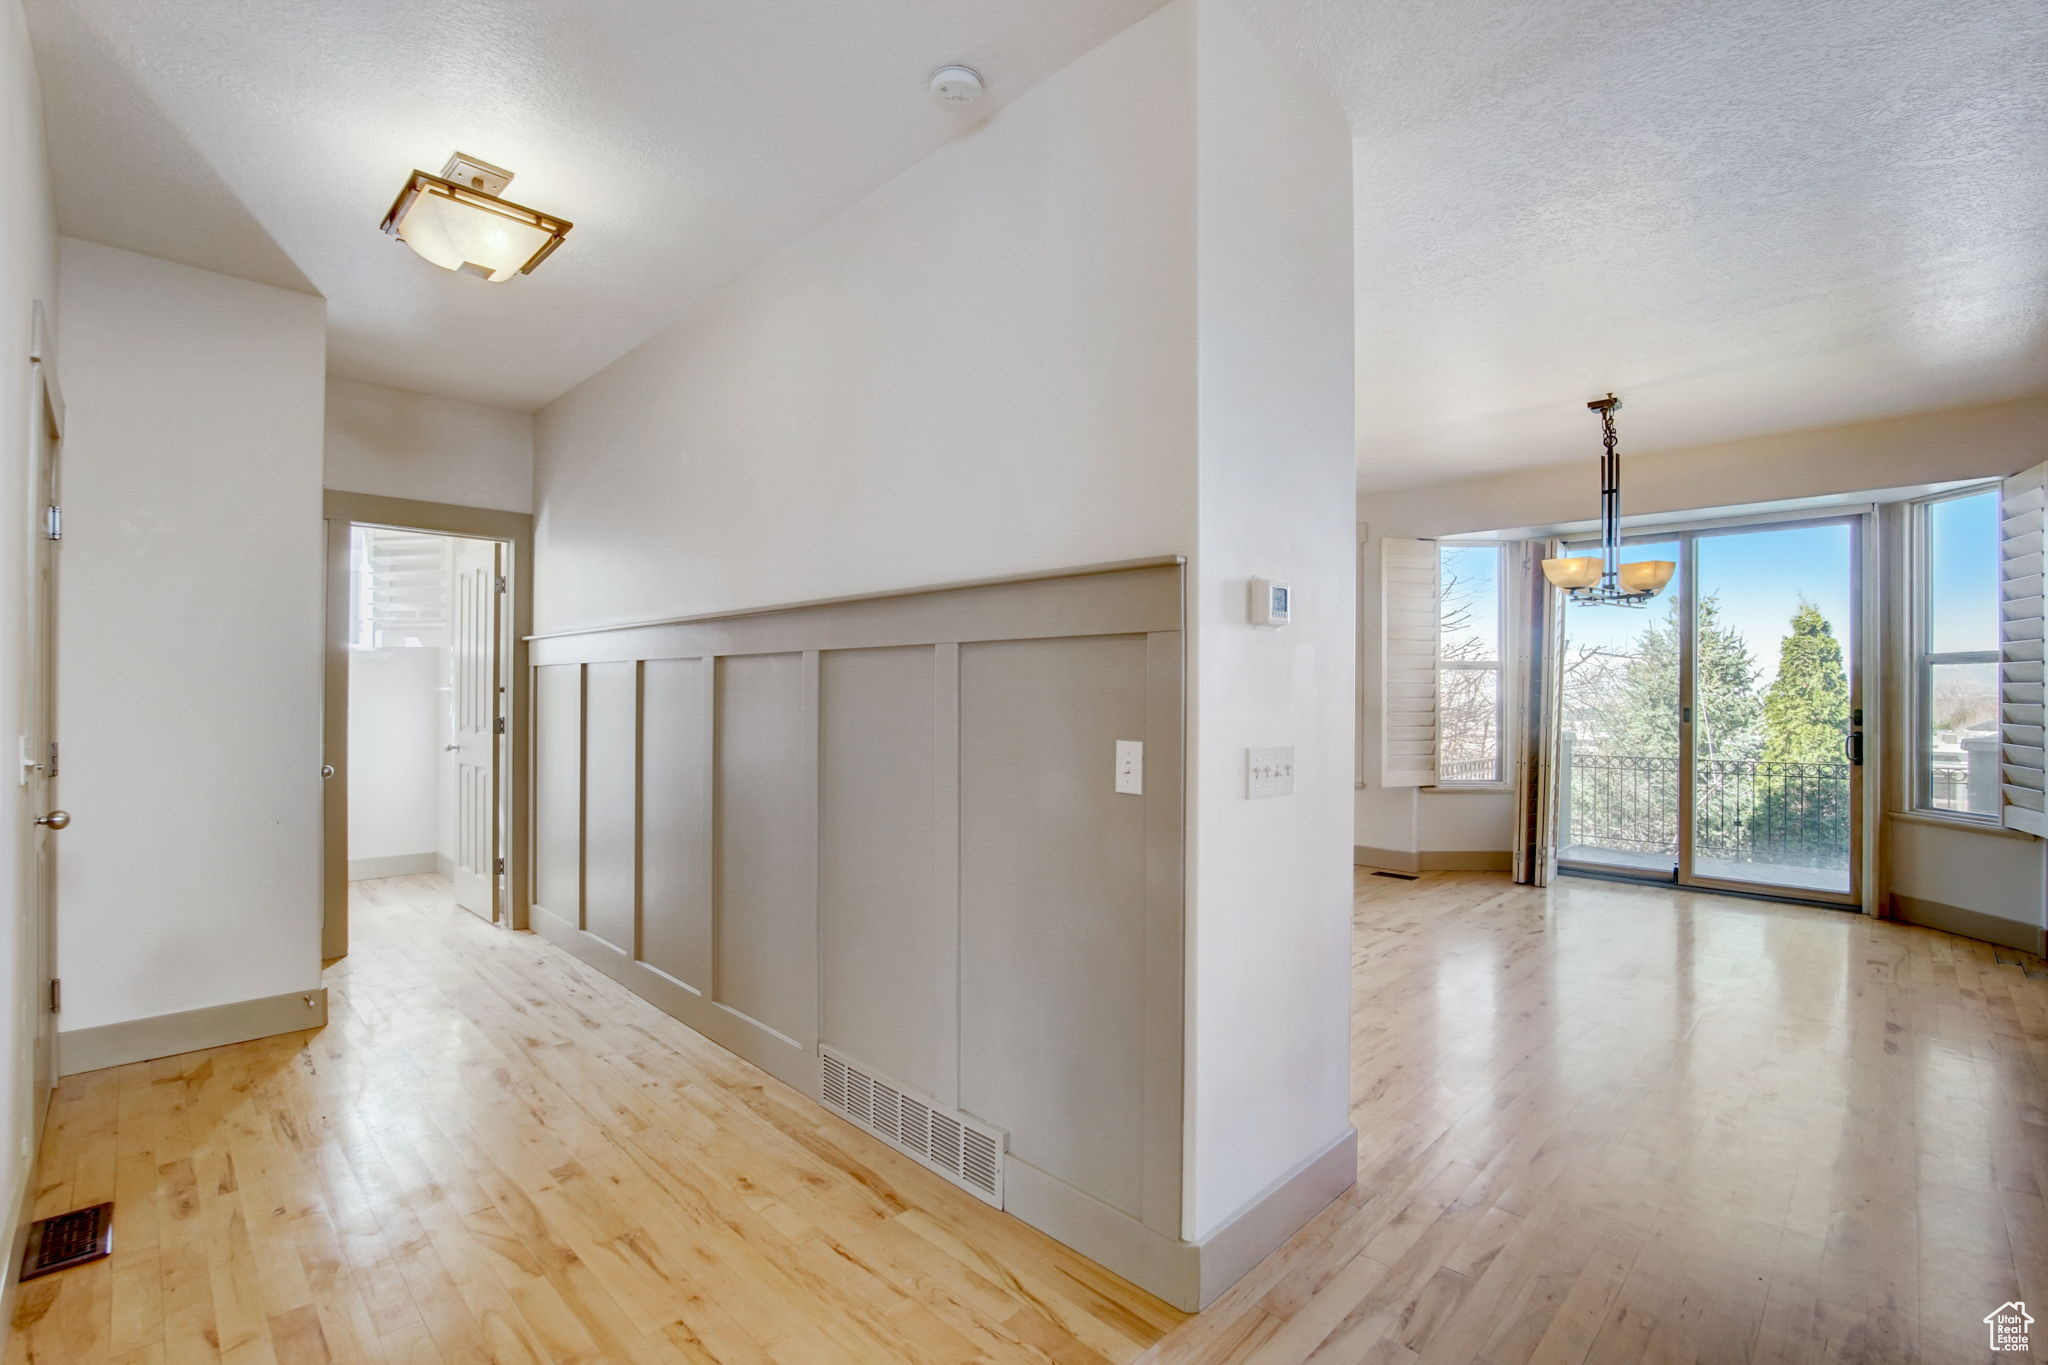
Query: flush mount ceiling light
{"x":457,"y":221}
{"x":1603,"y":578}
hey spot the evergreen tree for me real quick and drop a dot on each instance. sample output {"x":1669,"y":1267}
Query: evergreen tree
{"x":1806,"y":710}
{"x":1638,"y":803}
{"x":1802,"y":798}
{"x":1645,"y":719}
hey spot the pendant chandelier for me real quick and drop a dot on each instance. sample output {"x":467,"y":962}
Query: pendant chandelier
{"x":1603,"y":578}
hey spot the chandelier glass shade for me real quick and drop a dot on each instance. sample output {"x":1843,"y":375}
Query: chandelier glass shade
{"x":1603,"y":578}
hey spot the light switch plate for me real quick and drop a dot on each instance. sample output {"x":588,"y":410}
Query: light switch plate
{"x":1130,"y":767}
{"x":1269,"y":772}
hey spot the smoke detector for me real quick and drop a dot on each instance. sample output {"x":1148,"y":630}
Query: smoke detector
{"x":956,"y":85}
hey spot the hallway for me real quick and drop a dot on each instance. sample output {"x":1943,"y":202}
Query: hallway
{"x":1609,"y":1123}
{"x":495,"y":1153}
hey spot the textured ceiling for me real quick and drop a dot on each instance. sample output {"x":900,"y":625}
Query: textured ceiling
{"x":1742,"y":215}
{"x":687,"y":139}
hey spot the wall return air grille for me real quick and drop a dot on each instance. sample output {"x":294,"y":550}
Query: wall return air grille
{"x":966,"y":1152}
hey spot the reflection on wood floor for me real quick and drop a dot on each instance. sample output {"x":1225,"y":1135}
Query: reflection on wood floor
{"x":1614,"y":1123}
{"x":1602,"y":1123}
{"x":494,"y":1153}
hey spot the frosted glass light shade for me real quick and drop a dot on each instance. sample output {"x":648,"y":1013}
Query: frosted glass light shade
{"x":1646,"y":575}
{"x":458,"y":228}
{"x":1580,"y":571}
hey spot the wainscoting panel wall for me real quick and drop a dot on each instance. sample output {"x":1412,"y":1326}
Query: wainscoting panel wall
{"x":1049,"y":855}
{"x":878,"y":863}
{"x":675,"y":820}
{"x":888,"y":825}
{"x":611,"y":780}
{"x":558,"y":785}
{"x":764,"y":928}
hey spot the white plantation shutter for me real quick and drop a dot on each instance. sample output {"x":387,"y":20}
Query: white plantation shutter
{"x":1408,"y":648}
{"x":401,"y":587}
{"x":2021,"y":513}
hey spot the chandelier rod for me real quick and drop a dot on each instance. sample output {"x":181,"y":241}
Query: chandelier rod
{"x":1610,"y":493}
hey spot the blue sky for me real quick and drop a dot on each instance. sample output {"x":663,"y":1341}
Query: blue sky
{"x":1760,"y":577}
{"x":1963,"y":536}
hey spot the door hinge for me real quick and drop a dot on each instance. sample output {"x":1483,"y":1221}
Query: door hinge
{"x":499,"y":728}
{"x":56,"y":995}
{"x":501,"y":867}
{"x":503,"y":586}
{"x":53,"y":522}
{"x":53,"y":758}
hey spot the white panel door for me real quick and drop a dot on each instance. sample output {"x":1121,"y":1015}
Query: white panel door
{"x":476,"y":701}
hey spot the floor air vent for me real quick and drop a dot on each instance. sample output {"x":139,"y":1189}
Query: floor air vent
{"x":968,"y":1153}
{"x":68,"y":1239}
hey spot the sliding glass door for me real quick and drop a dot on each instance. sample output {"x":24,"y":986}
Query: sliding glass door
{"x":1713,"y":737}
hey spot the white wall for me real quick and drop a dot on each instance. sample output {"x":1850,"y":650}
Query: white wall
{"x":1967,"y":443}
{"x":28,"y":272}
{"x":984,"y":367}
{"x":414,"y":445}
{"x":191,"y":653}
{"x":1010,"y":358}
{"x":1269,"y":1076}
{"x":396,"y":714}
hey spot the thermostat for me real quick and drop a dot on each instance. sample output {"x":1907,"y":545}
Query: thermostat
{"x":1271,"y":602}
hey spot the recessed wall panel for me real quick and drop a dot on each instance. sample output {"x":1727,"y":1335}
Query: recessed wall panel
{"x":611,"y":802}
{"x":558,"y":790}
{"x":675,"y":819}
{"x":765,"y":916}
{"x":876,"y":766}
{"x":1052,"y":906}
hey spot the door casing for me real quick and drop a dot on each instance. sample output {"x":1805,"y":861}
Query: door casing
{"x":40,"y":761}
{"x":513,"y":531}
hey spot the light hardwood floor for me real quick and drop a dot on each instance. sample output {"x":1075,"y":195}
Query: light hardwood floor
{"x":1601,"y":1123}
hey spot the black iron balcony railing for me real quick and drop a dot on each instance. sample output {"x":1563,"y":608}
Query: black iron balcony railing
{"x":1950,"y":788}
{"x":1791,"y":814}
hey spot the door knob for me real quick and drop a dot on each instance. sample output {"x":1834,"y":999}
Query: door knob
{"x":56,"y":819}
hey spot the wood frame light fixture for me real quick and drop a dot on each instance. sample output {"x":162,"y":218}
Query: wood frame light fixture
{"x":457,"y":221}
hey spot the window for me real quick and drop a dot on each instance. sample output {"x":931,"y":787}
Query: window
{"x":1955,"y":647}
{"x":1470,"y":698}
{"x":397,"y":588}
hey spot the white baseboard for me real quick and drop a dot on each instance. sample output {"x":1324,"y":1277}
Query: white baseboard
{"x":1955,"y":919}
{"x":20,"y":1206}
{"x":1433,"y":860}
{"x":1188,"y":1275}
{"x":395,"y":865}
{"x":166,"y":1035}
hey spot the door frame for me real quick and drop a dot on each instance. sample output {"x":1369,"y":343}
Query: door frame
{"x":39,"y":673}
{"x":341,"y":512}
{"x":1864,"y":693}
